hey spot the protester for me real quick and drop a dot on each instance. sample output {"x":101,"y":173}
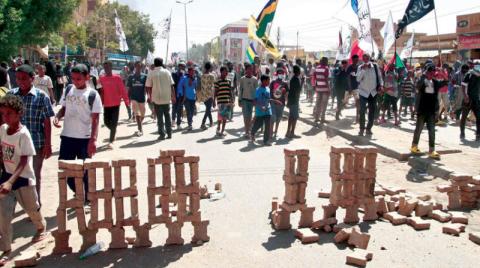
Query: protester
{"x":112,"y":89}
{"x":341,"y":77}
{"x":233,"y":78}
{"x":309,"y":89}
{"x":177,"y":107}
{"x":408,"y":95}
{"x":187,"y":86}
{"x":443,"y":100}
{"x":136,"y":88}
{"x":11,"y":74}
{"x":206,"y":93}
{"x":278,"y":93}
{"x":370,"y":83}
{"x":224,"y":99}
{"x":471,"y":90}
{"x":81,"y":108}
{"x":44,"y":82}
{"x":161,"y":91}
{"x":248,"y":86}
{"x":293,"y":102}
{"x":17,"y":182}
{"x":36,"y":117}
{"x":390,"y":94}
{"x":320,"y":80}
{"x":263,"y":111}
{"x":428,"y":88}
{"x":458,"y":95}
{"x":353,"y":86}
{"x":61,"y":82}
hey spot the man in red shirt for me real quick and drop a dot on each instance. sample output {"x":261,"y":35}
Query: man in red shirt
{"x":112,"y":90}
{"x":322,"y":87}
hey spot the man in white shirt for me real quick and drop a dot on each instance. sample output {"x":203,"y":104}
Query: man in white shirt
{"x":369,"y":79}
{"x":44,"y":82}
{"x":81,"y":107}
{"x":161,"y":92}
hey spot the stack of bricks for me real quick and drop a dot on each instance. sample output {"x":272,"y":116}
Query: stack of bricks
{"x":353,"y":185}
{"x":295,"y":178}
{"x":74,"y":170}
{"x":187,"y":196}
{"x":463,"y":191}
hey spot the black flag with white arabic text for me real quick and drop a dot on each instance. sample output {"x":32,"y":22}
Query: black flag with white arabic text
{"x":416,"y":9}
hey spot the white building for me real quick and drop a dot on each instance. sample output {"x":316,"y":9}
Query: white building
{"x":234,"y":41}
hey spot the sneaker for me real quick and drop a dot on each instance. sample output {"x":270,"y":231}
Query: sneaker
{"x":169,"y":136}
{"x":360,"y":133}
{"x":161,"y":138}
{"x":139,"y":133}
{"x":434,"y":155}
{"x":190,"y":128}
{"x":462,"y":136}
{"x":267,"y":143}
{"x":369,"y":132}
{"x":110,"y":146}
{"x":415,"y":150}
{"x":203,"y":127}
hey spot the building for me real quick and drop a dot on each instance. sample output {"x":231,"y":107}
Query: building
{"x":234,"y":42}
{"x":468,"y":34}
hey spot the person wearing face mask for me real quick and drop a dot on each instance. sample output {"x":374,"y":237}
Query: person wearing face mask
{"x":471,"y":90}
{"x":278,"y":92}
{"x":177,"y":107}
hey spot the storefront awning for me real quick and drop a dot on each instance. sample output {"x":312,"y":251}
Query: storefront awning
{"x":429,"y":53}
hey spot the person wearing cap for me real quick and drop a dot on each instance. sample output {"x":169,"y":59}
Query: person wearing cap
{"x":427,"y":107}
{"x":471,"y":90}
{"x":36,"y":117}
{"x":187,"y":88}
{"x":177,"y":107}
{"x":370,"y":83}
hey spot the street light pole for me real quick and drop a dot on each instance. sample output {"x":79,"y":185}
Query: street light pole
{"x":185,"y":3}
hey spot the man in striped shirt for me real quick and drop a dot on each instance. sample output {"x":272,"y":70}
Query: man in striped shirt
{"x":322,"y":87}
{"x":224,"y":99}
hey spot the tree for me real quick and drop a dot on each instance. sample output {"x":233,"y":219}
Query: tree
{"x":139,"y":31}
{"x":31,"y":22}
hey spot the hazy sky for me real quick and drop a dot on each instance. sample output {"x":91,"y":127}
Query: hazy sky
{"x":314,"y":19}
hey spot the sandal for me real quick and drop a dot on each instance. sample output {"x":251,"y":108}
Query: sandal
{"x":4,"y":260}
{"x":39,"y":236}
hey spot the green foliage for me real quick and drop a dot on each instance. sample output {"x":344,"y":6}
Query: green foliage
{"x":75,"y":35}
{"x":31,"y":22}
{"x":138,"y":29}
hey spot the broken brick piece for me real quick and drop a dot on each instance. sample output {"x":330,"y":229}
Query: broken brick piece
{"x":474,"y":237}
{"x":418,"y":223}
{"x":281,"y":220}
{"x":423,"y":209}
{"x":459,"y":217}
{"x":440,"y":216}
{"x":395,"y":218}
{"x":338,"y":227}
{"x":27,"y":259}
{"x":322,"y":194}
{"x":322,"y":223}
{"x":343,"y":235}
{"x":358,"y":239}
{"x":359,"y":257}
{"x":453,"y":229}
{"x":61,"y":242}
{"x":306,"y":235}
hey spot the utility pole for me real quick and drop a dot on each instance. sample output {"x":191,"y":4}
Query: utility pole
{"x":298,"y":32}
{"x":185,"y":3}
{"x":278,"y":37}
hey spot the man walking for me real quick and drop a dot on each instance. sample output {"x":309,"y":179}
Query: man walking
{"x":471,"y":89}
{"x":370,"y":83}
{"x":177,"y":107}
{"x":136,"y":88}
{"x":341,"y":86}
{"x":320,"y":81}
{"x":353,"y":86}
{"x":187,"y":86}
{"x":248,"y":87}
{"x":161,"y":92}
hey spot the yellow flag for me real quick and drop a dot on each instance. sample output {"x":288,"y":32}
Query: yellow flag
{"x":264,"y":41}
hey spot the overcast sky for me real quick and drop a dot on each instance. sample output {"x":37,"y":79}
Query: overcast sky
{"x":314,"y":19}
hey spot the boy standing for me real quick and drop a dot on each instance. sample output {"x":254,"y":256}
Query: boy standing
{"x":408,"y":97}
{"x":278,"y":92}
{"x":248,"y":86}
{"x":44,"y":82}
{"x":81,"y":107}
{"x":17,"y":182}
{"x":391,"y":93}
{"x":224,"y":99}
{"x":263,"y":110}
{"x":294,"y":101}
{"x":136,"y":88}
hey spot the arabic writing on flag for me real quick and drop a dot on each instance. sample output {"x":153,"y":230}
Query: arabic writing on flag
{"x":416,"y":10}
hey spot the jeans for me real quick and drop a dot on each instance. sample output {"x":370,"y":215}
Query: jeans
{"x":430,"y":121}
{"x":177,"y":111}
{"x":72,"y":149}
{"x":474,"y":106}
{"x":259,"y":122}
{"x":372,"y":103}
{"x":110,"y":118}
{"x":190,"y":107}
{"x":163,"y":113}
{"x":208,"y":112}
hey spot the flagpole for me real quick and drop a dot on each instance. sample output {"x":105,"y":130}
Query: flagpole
{"x":413,"y":44}
{"x":438,"y":37}
{"x":168,"y":36}
{"x":371,"y":32}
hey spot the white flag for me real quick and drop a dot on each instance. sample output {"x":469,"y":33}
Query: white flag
{"x":366,"y":42}
{"x":345,"y":44}
{"x":122,"y":40}
{"x":388,"y":34}
{"x":150,"y":58}
{"x":407,"y":50}
{"x":165,"y":27}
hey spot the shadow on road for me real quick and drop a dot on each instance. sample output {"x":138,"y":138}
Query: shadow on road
{"x":279,"y":240}
{"x":139,"y":144}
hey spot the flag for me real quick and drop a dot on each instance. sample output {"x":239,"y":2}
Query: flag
{"x":366,"y":42}
{"x":407,"y":50}
{"x":388,"y":34}
{"x":397,"y":61}
{"x":416,"y":10}
{"x":266,"y":17}
{"x":122,"y":40}
{"x":165,"y":27}
{"x":344,"y":45}
{"x":356,"y":50}
{"x":150,"y":58}
{"x":262,"y":40}
{"x":251,"y":53}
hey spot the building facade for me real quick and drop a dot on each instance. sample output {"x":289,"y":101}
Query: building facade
{"x":468,"y":34}
{"x":234,"y":42}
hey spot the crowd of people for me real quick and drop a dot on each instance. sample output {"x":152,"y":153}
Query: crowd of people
{"x":29,"y":94}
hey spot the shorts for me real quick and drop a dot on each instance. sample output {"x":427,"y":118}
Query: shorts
{"x":277,"y":112}
{"x":224,"y":111}
{"x":294,"y":111}
{"x":390,"y":101}
{"x":247,"y":109}
{"x":407,"y":101}
{"x":350,"y":93}
{"x":138,"y":108}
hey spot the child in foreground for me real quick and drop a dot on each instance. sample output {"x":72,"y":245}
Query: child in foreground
{"x":263,"y":110}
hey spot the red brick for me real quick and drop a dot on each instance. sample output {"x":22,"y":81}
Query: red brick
{"x":306,"y":235}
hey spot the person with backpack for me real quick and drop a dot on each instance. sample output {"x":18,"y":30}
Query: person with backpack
{"x":370,"y":83}
{"x":81,"y":107}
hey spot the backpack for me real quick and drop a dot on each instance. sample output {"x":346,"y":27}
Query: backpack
{"x":91,"y":96}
